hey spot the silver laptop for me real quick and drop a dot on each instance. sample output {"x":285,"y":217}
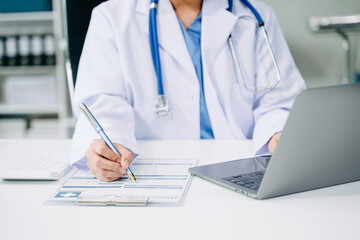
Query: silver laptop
{"x":319,"y":147}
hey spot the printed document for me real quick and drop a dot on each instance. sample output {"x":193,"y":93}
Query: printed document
{"x":159,"y":181}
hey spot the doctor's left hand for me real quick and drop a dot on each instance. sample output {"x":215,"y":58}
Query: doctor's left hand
{"x":104,"y":163}
{"x":273,"y":142}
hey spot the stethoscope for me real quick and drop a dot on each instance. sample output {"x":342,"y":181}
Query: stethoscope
{"x":162,"y":108}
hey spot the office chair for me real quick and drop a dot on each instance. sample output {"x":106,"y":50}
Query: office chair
{"x":76,"y":18}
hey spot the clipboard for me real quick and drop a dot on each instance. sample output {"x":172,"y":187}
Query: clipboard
{"x":159,"y":182}
{"x":111,"y":200}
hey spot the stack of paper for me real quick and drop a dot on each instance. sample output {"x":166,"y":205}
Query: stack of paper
{"x":44,"y":128}
{"x":12,"y":128}
{"x":31,"y":90}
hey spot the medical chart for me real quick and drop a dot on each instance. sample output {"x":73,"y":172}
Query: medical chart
{"x":159,"y":181}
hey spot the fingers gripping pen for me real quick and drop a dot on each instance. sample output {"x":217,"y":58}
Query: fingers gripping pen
{"x":99,"y":130}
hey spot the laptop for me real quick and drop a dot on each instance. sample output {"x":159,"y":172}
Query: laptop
{"x":319,"y":147}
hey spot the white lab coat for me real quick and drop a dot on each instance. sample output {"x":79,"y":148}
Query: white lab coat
{"x":117,"y":81}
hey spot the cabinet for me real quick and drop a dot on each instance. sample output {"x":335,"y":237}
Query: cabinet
{"x":46,"y":89}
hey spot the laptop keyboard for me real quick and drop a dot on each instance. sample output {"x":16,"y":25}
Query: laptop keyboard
{"x":248,"y":180}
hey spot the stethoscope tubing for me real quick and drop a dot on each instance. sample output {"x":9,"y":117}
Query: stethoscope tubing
{"x":154,"y":46}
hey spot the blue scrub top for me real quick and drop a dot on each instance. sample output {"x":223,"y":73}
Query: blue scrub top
{"x":192,"y":38}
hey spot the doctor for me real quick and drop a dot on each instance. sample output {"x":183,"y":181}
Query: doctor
{"x":211,"y":92}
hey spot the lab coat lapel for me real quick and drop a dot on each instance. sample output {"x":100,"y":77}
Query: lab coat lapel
{"x":217,"y":25}
{"x":170,"y":37}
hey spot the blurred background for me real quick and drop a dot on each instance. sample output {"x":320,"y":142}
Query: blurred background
{"x":319,"y":56}
{"x":34,"y":84}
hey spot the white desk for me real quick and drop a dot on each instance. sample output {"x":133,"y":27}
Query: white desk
{"x":208,"y":212}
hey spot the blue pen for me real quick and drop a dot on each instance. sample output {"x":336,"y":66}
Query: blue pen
{"x":103,"y":135}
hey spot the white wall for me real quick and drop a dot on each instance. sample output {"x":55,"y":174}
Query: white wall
{"x":319,"y":57}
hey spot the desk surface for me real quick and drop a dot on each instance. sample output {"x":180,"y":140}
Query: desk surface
{"x":208,"y":212}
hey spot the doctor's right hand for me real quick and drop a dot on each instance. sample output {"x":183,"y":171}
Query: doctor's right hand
{"x":104,"y":163}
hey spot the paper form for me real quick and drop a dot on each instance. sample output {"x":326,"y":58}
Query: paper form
{"x":161,"y":181}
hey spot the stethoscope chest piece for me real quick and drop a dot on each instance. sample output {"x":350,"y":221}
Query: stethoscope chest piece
{"x":162,"y":109}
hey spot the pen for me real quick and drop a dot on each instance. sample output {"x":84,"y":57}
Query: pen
{"x":99,"y":130}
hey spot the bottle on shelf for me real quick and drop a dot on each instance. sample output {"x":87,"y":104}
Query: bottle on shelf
{"x":37,"y":52}
{"x":49,"y":47}
{"x":11,"y":51}
{"x":24,"y":50}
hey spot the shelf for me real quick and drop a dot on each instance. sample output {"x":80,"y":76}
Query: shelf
{"x":27,"y":70}
{"x":335,"y":23}
{"x":27,"y":16}
{"x":7,"y":109}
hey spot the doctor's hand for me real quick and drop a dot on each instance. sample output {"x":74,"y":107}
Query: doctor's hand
{"x":104,"y":163}
{"x":273,"y":142}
